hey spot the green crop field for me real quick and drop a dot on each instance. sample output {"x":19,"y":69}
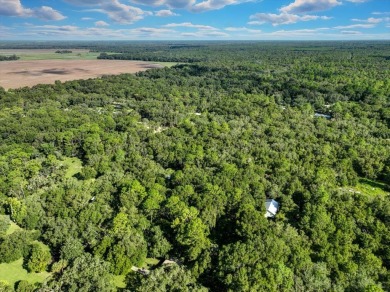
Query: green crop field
{"x":35,"y":55}
{"x":54,"y":56}
{"x":31,"y":55}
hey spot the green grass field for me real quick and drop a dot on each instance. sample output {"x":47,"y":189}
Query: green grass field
{"x":54,"y":56}
{"x":74,"y":166}
{"x":14,"y":272}
{"x":12,"y":228}
{"x":371,"y":188}
{"x":166,"y":64}
{"x":30,"y":55}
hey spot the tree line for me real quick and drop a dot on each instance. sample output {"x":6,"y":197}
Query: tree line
{"x":177,"y":164}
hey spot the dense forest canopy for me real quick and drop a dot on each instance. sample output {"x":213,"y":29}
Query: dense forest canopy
{"x":176,"y":163}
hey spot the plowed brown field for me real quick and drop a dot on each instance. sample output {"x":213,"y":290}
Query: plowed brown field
{"x":15,"y":74}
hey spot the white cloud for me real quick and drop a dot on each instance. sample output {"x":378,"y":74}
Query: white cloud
{"x":151,"y":32}
{"x":86,"y":18}
{"x":101,"y":23}
{"x":192,"y":5}
{"x":368,"y":25}
{"x":47,"y":13}
{"x":178,"y":4}
{"x":116,"y":11}
{"x":122,"y":13}
{"x":381,"y":13}
{"x":15,"y":8}
{"x":214,"y":5}
{"x":307,"y":6}
{"x":205,"y":34}
{"x":165,"y":13}
{"x":84,"y":2}
{"x":283,"y":18}
{"x":243,"y":29}
{"x":72,"y":32}
{"x":350,"y":32}
{"x":368,"y":20}
{"x":190,"y":25}
{"x":357,"y":1}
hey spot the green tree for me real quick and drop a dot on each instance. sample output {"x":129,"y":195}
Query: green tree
{"x":38,"y":259}
{"x":86,"y":274}
{"x":24,"y":286}
{"x":164,"y":279}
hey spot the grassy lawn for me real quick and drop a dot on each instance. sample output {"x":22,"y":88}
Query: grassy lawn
{"x":74,"y":166}
{"x":12,"y":228}
{"x":150,"y":263}
{"x":371,"y":188}
{"x":13,"y":272}
{"x":167,"y":64}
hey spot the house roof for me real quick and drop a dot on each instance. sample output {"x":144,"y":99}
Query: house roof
{"x":271,"y":206}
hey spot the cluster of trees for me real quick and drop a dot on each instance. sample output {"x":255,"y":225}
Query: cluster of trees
{"x":64,"y":52}
{"x":177,"y":163}
{"x":9,"y":58}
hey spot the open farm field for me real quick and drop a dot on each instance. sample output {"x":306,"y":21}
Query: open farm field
{"x":48,"y":54}
{"x":15,"y":74}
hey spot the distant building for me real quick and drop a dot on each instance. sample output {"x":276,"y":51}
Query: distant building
{"x":271,"y":207}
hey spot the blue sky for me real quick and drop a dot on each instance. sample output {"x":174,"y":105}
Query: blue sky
{"x":194,"y":19}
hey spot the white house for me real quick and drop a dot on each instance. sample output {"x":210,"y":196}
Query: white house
{"x":271,"y":207}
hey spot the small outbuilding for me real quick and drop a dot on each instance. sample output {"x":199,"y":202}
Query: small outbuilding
{"x":319,"y":115}
{"x":271,"y":208}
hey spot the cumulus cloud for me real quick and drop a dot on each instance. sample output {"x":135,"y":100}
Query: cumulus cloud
{"x":243,"y":29}
{"x":71,"y":32}
{"x":307,"y":6}
{"x":350,"y":32}
{"x":151,"y":31}
{"x":368,"y":20}
{"x":15,"y":8}
{"x":122,"y":13}
{"x":205,"y":35}
{"x":168,"y":3}
{"x":283,"y":18}
{"x":116,"y":11}
{"x":357,"y":1}
{"x":165,"y":13}
{"x":192,"y":5}
{"x":372,"y":20}
{"x":101,"y":23}
{"x":368,"y":25}
{"x":47,"y":13}
{"x":213,"y":5}
{"x":84,"y":2}
{"x":381,"y":13}
{"x":191,"y":25}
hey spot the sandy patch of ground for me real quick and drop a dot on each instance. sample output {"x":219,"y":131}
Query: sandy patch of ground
{"x":15,"y":74}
